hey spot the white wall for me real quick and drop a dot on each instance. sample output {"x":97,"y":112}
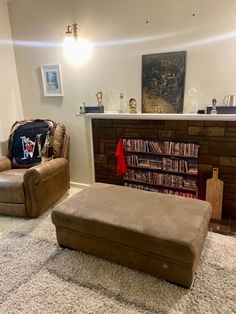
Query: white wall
{"x":10,"y":102}
{"x":122,"y":36}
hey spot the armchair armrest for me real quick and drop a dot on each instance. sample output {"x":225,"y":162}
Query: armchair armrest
{"x":5,"y":163}
{"x":45,"y":171}
{"x":45,"y":184}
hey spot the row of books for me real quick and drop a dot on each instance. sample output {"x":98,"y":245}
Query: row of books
{"x":166,"y":164}
{"x":169,"y":180}
{"x":141,"y":187}
{"x":166,"y":191}
{"x":161,"y":147}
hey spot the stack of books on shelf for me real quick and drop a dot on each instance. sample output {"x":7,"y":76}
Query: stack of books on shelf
{"x":171,"y":164}
{"x":161,"y":147}
{"x":153,"y":189}
{"x":162,"y":166}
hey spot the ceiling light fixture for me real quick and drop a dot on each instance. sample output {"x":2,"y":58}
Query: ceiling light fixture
{"x":77,"y":49}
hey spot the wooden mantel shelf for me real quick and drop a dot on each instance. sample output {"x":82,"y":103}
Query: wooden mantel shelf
{"x":154,"y":116}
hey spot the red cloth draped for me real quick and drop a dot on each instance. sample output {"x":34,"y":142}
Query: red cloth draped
{"x":121,"y":164}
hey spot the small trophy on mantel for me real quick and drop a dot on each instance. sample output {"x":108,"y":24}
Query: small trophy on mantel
{"x":99,"y":108}
{"x":99,"y":98}
{"x":213,"y":110}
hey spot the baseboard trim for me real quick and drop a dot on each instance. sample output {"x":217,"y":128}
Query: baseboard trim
{"x":79,"y":184}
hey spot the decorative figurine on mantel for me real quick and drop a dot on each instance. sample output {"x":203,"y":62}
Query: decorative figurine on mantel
{"x":82,"y":108}
{"x":213,"y":110}
{"x":121,"y":105}
{"x":132,"y":105}
{"x":99,"y":98}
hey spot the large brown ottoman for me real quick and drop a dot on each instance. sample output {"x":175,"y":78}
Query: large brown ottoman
{"x":156,"y":233}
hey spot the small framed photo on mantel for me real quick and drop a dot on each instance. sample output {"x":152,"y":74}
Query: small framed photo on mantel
{"x":52,"y":80}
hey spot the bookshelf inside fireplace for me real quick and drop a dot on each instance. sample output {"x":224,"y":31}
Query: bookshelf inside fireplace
{"x":165,"y":166}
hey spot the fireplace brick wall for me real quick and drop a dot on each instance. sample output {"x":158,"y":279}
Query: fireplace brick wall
{"x":217,"y":141}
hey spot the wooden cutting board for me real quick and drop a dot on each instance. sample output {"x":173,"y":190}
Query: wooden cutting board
{"x":214,"y":194}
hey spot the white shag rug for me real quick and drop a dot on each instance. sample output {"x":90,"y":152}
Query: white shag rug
{"x":38,"y":276}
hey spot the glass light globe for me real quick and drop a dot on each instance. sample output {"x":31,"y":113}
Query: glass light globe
{"x":77,"y":51}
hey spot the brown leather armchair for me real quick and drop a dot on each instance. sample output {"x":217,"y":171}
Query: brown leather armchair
{"x":28,"y":192}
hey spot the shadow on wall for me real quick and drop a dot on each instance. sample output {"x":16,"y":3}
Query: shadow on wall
{"x":4,"y":148}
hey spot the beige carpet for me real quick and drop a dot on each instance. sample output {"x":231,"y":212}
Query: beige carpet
{"x":8,"y":223}
{"x":37,"y":276}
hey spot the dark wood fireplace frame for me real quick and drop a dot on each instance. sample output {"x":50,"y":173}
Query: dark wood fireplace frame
{"x":217,"y":141}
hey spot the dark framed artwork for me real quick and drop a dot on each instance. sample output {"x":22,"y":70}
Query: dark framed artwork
{"x":163,"y":82}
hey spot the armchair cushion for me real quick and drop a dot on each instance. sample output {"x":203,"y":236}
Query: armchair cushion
{"x":11,"y":186}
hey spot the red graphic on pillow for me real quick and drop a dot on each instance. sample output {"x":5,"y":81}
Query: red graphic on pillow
{"x":29,"y":146}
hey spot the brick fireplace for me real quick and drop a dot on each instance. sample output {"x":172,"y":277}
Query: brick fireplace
{"x":217,"y":141}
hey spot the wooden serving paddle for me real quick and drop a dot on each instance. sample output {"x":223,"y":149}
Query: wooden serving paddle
{"x":214,"y":194}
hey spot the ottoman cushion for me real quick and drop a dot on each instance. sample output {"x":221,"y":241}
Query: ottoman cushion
{"x":154,"y":232}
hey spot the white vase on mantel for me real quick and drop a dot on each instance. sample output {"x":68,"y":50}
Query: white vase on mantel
{"x":121,"y":103}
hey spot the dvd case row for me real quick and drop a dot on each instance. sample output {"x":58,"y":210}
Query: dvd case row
{"x":162,"y":166}
{"x":166,"y":191}
{"x":163,"y":179}
{"x":161,"y":147}
{"x":163,"y":163}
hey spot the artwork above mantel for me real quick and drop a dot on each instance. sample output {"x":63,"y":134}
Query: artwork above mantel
{"x":163,"y":81}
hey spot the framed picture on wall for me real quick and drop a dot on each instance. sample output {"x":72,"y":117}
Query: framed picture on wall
{"x":52,"y":81}
{"x":163,"y":82}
